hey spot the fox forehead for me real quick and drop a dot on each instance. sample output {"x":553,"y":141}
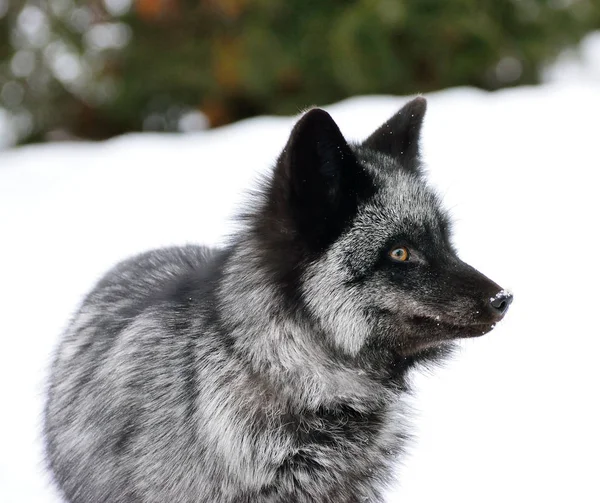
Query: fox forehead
{"x":403,"y":206}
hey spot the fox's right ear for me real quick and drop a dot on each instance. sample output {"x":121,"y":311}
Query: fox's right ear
{"x":400,"y":136}
{"x":319,"y":180}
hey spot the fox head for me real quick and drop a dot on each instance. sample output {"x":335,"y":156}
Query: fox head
{"x":361,"y":245}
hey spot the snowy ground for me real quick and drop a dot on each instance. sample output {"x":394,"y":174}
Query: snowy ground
{"x":513,"y":418}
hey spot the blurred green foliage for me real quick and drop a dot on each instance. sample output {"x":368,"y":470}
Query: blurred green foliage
{"x":98,"y":68}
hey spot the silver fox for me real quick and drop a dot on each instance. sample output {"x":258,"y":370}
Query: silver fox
{"x":270,"y":370}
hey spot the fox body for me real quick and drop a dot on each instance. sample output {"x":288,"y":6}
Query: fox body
{"x":270,"y":370}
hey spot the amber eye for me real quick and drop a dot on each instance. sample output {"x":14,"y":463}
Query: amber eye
{"x":399,"y":254}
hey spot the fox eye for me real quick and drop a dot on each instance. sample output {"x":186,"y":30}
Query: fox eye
{"x":399,"y":254}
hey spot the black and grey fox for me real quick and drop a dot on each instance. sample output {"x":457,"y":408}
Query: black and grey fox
{"x":270,"y":370}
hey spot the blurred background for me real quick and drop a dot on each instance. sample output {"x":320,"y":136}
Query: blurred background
{"x":93,"y":69}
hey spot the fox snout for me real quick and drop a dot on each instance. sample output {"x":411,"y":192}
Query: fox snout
{"x":492,"y":303}
{"x":475,"y":304}
{"x":491,"y":299}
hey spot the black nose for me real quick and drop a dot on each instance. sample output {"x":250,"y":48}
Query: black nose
{"x":500,"y":303}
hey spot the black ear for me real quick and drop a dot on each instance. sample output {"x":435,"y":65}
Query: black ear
{"x":399,"y":136}
{"x":321,"y":179}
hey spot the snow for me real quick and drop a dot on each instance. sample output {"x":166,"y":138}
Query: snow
{"x":514,"y":417}
{"x":500,"y":295}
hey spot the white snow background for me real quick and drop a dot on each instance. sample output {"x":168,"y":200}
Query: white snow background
{"x":514,"y":417}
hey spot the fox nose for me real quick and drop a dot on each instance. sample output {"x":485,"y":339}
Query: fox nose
{"x":500,"y":302}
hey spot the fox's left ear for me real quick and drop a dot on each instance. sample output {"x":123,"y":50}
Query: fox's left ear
{"x":399,"y":136}
{"x":318,"y":179}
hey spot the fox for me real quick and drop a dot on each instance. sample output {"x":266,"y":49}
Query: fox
{"x":272,"y":369}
